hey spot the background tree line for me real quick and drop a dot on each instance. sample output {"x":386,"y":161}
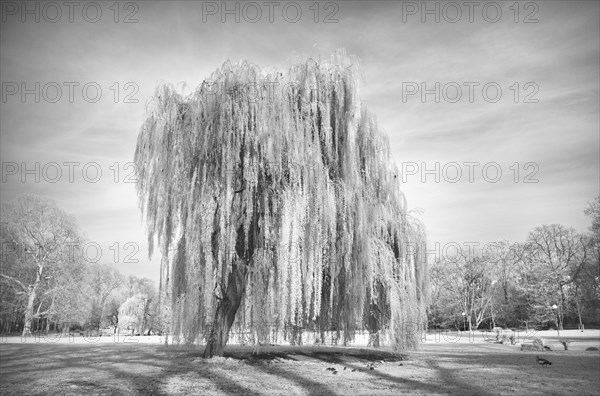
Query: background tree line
{"x":550,"y":280}
{"x":47,"y":285}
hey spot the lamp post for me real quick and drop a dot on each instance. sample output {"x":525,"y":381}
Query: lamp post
{"x":464,"y":314}
{"x":555,"y":310}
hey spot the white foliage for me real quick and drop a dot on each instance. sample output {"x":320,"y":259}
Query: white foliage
{"x":305,"y":174}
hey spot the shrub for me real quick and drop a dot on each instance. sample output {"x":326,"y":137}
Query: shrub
{"x":590,"y":349}
{"x":527,"y":347}
{"x":566,"y":344}
{"x":538,"y":344}
{"x":508,"y":336}
{"x":498,"y":331}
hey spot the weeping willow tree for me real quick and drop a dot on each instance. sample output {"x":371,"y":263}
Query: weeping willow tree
{"x":133,"y":313}
{"x":274,"y":203}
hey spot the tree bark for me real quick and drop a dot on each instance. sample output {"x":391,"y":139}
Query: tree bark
{"x":560,"y":308}
{"x":226,"y":311}
{"x":29,"y":312}
{"x":29,"y":315}
{"x":578,"y":306}
{"x":144,"y":316}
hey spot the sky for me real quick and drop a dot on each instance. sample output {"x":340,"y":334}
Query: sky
{"x":498,"y":101}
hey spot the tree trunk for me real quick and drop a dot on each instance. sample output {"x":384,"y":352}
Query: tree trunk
{"x":226,"y":310}
{"x":144,"y":320}
{"x":29,"y":315}
{"x":578,"y":306}
{"x":374,"y":339}
{"x":560,"y":308}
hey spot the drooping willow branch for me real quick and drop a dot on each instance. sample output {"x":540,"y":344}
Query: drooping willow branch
{"x":288,"y":175}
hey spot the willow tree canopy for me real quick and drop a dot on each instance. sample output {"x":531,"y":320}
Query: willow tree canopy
{"x":281,"y":183}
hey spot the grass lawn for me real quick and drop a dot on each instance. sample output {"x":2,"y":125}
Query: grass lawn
{"x":461,"y":367}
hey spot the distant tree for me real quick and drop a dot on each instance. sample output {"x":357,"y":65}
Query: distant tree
{"x":105,"y":279}
{"x":135,"y":285}
{"x":138,"y":309}
{"x":112,"y":311}
{"x":558,"y":255}
{"x":506,"y":259}
{"x":465,"y":283}
{"x":444,"y":309}
{"x":587,"y":284}
{"x":71,"y":301}
{"x":134,"y":312}
{"x":43,"y":240}
{"x":12,"y":299}
{"x":11,"y":308}
{"x":593,"y":211}
{"x":555,"y":265}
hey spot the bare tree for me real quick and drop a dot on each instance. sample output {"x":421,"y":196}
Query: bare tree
{"x":469,"y":284}
{"x":43,"y":238}
{"x":105,"y":279}
{"x":560,"y":253}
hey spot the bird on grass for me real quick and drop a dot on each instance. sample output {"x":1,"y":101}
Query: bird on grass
{"x":372,"y":365}
{"x":543,"y":361}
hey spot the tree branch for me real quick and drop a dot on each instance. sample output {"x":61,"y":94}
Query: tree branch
{"x":17,"y":282}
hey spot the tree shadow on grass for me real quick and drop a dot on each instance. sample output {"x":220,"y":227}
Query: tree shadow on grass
{"x":355,"y":359}
{"x":451,"y":380}
{"x":106,"y":370}
{"x":110,"y":369}
{"x":153,"y":369}
{"x":147,"y":369}
{"x":325,"y":354}
{"x":448,"y":377}
{"x":311,"y":386}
